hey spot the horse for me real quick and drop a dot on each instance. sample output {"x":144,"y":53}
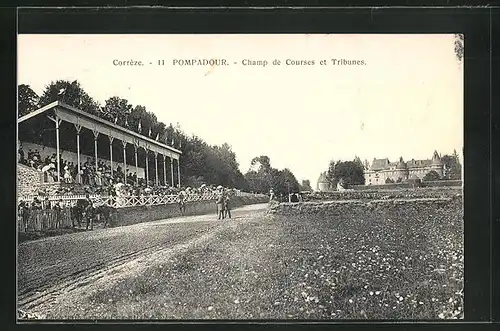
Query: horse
{"x":92,"y":214}
{"x":77,"y":211}
{"x":89,"y":216}
{"x":82,"y":211}
{"x":104,"y":212}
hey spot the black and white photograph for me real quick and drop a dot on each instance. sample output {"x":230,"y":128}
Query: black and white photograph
{"x":166,"y":177}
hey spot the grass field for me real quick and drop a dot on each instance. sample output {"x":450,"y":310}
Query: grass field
{"x":403,"y":262}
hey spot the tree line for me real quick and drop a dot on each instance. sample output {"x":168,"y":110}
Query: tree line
{"x":201,"y":163}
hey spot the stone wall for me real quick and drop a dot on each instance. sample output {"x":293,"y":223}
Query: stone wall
{"x":28,"y":180}
{"x":336,"y":208}
{"x":437,"y":183}
{"x":133,"y":215}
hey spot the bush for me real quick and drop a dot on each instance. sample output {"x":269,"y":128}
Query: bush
{"x":431,"y":176}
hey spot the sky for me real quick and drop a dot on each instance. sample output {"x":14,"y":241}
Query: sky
{"x":406,"y":100}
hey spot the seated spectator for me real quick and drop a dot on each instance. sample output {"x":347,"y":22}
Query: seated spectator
{"x":58,"y":205}
{"x":36,"y":156}
{"x":46,"y":171}
{"x":36,"y":204}
{"x":67,"y":175}
{"x":21,"y":154}
{"x":98,"y":177}
{"x":46,"y":203}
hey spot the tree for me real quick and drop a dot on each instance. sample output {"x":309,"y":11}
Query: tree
{"x":27,"y":100}
{"x":287,"y":181}
{"x":257,"y":182}
{"x":71,"y":94}
{"x":306,"y":185}
{"x":430,"y":176}
{"x":358,"y":162}
{"x":350,"y":172}
{"x":261,"y":162}
{"x":452,"y":166}
{"x":262,"y":177}
{"x":330,"y":174}
{"x":116,"y":109}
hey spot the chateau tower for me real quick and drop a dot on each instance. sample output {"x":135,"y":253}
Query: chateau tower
{"x":437,"y":165}
{"x":402,"y":170}
{"x":323,"y":184}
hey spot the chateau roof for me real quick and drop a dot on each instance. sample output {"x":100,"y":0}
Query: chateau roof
{"x":384,"y":164}
{"x":418,"y":163}
{"x":380,"y":164}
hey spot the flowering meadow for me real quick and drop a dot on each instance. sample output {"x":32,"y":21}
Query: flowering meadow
{"x":391,"y":260}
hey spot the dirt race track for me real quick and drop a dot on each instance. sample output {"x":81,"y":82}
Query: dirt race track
{"x":53,"y":267}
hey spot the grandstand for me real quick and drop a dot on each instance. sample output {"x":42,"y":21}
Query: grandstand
{"x":94,"y":150}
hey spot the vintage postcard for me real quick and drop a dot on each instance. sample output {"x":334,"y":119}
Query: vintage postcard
{"x":240,"y":177}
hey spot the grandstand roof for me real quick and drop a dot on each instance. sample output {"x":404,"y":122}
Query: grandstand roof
{"x":76,"y":116}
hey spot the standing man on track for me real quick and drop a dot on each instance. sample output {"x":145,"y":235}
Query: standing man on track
{"x":227,"y":209}
{"x":220,"y":205}
{"x":89,"y":212}
{"x":181,"y":202}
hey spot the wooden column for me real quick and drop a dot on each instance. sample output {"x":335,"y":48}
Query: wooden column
{"x":111,"y":152}
{"x":57,"y":122}
{"x":96,"y":135}
{"x":147,"y":168}
{"x":156,"y":167}
{"x":124,"y":144}
{"x":172,"y":170}
{"x":164,"y":170}
{"x":78,"y":130}
{"x":136,"y":166}
{"x":179,"y":171}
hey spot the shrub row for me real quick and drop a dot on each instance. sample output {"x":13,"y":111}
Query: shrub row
{"x":430,"y":192}
{"x":405,"y":185}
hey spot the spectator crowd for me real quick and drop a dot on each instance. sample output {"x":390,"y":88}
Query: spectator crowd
{"x":101,"y":180}
{"x":89,"y":173}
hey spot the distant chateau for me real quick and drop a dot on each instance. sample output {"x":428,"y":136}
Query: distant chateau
{"x":382,"y":169}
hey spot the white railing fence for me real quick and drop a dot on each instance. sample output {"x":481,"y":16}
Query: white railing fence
{"x":128,"y":201}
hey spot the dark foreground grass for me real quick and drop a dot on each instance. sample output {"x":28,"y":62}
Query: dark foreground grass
{"x":403,"y":262}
